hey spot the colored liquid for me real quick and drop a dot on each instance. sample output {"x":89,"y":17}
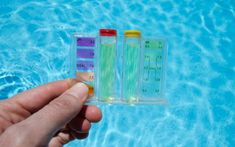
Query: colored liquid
{"x":106,"y":81}
{"x":85,"y":61}
{"x":131,"y":69}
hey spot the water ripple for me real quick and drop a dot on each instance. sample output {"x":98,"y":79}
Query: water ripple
{"x":34,"y":49}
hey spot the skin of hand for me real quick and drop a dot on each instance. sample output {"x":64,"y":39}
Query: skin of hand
{"x":49,"y":115}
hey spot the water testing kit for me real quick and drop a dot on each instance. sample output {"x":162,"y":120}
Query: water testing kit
{"x":126,"y":69}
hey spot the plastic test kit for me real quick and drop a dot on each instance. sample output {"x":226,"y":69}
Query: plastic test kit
{"x":142,"y":73}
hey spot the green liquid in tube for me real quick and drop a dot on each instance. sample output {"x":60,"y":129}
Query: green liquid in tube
{"x":107,"y":71}
{"x":131,"y":69}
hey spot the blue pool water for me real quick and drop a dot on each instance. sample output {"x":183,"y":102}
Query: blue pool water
{"x":34,"y":48}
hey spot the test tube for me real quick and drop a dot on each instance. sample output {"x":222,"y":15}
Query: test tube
{"x":131,"y":62}
{"x":106,"y":65}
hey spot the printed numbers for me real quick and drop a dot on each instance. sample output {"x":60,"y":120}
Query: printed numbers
{"x":153,"y":44}
{"x":157,"y":79}
{"x":91,"y":77}
{"x":156,"y":90}
{"x":144,"y":90}
{"x":81,"y":65}
{"x":92,"y":41}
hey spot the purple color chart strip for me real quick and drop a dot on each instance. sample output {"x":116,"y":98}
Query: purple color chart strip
{"x":85,"y":65}
{"x":85,"y":53}
{"x":86,"y":41}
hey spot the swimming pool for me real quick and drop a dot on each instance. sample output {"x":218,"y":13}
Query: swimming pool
{"x":35,"y":40}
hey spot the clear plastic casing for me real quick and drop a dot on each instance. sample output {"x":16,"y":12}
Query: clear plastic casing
{"x":140,"y":77}
{"x":152,"y":70}
{"x":84,"y":48}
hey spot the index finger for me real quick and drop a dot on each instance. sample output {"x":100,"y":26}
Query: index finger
{"x":36,"y":98}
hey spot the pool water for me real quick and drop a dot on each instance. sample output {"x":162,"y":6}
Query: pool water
{"x":35,"y":37}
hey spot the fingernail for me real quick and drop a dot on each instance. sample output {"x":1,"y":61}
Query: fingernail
{"x":79,"y":90}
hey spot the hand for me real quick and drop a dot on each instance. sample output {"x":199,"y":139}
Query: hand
{"x":50,"y":115}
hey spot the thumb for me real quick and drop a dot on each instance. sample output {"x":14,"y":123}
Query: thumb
{"x":50,"y":119}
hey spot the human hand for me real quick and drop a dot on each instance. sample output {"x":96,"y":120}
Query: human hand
{"x":49,"y":115}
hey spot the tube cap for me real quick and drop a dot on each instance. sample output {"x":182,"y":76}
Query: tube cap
{"x":132,"y":33}
{"x":108,"y":32}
